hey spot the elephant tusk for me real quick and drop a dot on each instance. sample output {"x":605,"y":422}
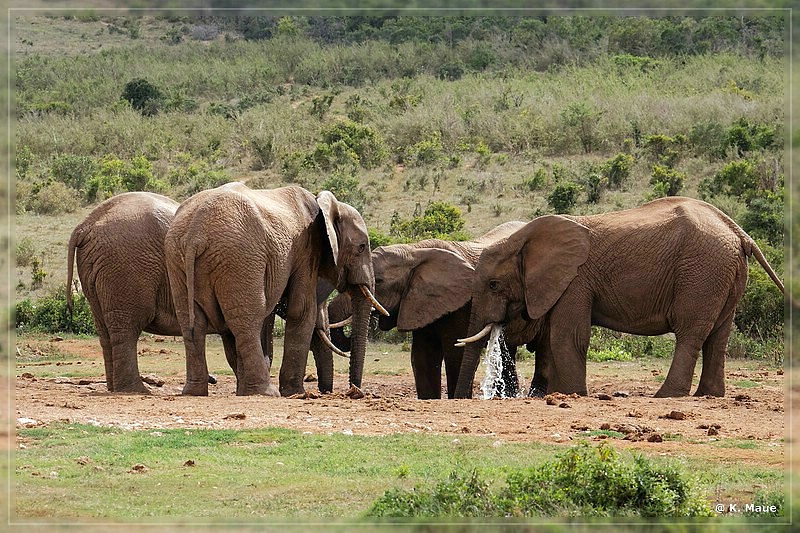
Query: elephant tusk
{"x":341,"y":324}
{"x":478,"y":336}
{"x":321,"y":334}
{"x":368,"y":295}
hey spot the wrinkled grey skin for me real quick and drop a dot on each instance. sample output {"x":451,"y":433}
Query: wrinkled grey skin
{"x":672,"y":265}
{"x":119,"y":248}
{"x":233,"y":253}
{"x":427,"y":287}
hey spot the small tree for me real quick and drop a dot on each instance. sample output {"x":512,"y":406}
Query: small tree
{"x":564,"y":196}
{"x":144,"y":97}
{"x":666,"y":181}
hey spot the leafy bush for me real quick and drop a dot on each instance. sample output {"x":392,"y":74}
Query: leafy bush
{"x":736,"y":178}
{"x":583,"y":481}
{"x":116,"y":175}
{"x":54,"y":198}
{"x":564,"y":196}
{"x":594,"y":183}
{"x":664,"y":149}
{"x":23,"y":158}
{"x":760,"y":312}
{"x":534,"y":182}
{"x":73,"y":170}
{"x":666,"y":181}
{"x":617,"y":169}
{"x":345,"y":187}
{"x":746,"y":137}
{"x":582,"y":118}
{"x":50,"y":315}
{"x":350,"y":141}
{"x":614,"y":353}
{"x":143,"y":96}
{"x":440,"y":220}
{"x":25,"y":252}
{"x":427,"y":151}
{"x":765,"y":218}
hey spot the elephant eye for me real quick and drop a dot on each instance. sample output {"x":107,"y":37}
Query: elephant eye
{"x":361,"y":248}
{"x":378,"y":281}
{"x":494,"y":285}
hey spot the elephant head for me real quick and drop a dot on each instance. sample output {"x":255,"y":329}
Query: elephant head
{"x":351,"y":272}
{"x":419,"y":285}
{"x":518,"y":281}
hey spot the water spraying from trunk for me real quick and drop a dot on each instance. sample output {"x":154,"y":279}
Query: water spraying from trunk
{"x":497,"y":355}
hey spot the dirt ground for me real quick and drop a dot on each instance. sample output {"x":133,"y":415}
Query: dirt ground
{"x":674,"y":426}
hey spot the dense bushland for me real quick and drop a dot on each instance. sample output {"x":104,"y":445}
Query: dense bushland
{"x":440,"y":126}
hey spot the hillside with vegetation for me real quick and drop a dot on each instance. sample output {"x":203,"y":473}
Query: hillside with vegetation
{"x":430,"y":126}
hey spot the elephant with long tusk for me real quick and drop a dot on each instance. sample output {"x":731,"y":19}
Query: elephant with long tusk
{"x":672,"y":265}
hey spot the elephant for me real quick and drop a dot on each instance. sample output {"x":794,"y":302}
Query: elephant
{"x":426,"y":288}
{"x":671,"y":265}
{"x":119,"y":249}
{"x":233,"y":253}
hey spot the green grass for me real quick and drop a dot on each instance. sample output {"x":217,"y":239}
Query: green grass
{"x":267,"y":473}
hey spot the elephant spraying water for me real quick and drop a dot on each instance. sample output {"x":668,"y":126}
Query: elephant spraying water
{"x":672,"y":265}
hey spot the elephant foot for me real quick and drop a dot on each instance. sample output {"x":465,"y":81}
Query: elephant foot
{"x":131,"y":388}
{"x":264,"y":389}
{"x":195,"y":389}
{"x":536,"y":392}
{"x":669,"y":392}
{"x":710,"y":391}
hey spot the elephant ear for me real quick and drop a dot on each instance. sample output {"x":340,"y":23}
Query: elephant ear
{"x":329,"y":206}
{"x":440,"y":283}
{"x":553,"y":249}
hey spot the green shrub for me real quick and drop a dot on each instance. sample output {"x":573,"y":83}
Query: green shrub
{"x":617,"y":169}
{"x":709,"y":138}
{"x":377,"y":238}
{"x":143,"y":96}
{"x":614,"y":353}
{"x":736,"y":178}
{"x":451,"y":71}
{"x":196,"y":176}
{"x":54,"y":198}
{"x":427,"y":151}
{"x":564,"y":196}
{"x":73,"y":170}
{"x":23,"y":158}
{"x":746,"y":137}
{"x":583,"y":119}
{"x":320,"y":105}
{"x":587,"y":481}
{"x":765,"y":217}
{"x":663,"y":149}
{"x":439,"y":220}
{"x":116,"y":175}
{"x":346,"y":188}
{"x":534,"y":182}
{"x":50,"y":315}
{"x":25,"y":252}
{"x":353,"y":138}
{"x":584,"y":481}
{"x":760,"y":312}
{"x":666,"y":181}
{"x":594,"y":184}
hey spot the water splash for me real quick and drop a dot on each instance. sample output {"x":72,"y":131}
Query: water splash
{"x":492,"y":384}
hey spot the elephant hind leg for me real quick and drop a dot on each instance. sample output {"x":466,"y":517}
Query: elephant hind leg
{"x":126,"y":366}
{"x":108,"y":358}
{"x":426,"y":362}
{"x":681,"y":371}
{"x":712,"y":377}
{"x":194,"y":342}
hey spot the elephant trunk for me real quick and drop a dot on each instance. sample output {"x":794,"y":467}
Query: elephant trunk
{"x":362,"y":308}
{"x":470,"y":361}
{"x":323,"y":357}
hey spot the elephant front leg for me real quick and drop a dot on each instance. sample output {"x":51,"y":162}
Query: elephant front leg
{"x":297,"y":341}
{"x":426,"y":361}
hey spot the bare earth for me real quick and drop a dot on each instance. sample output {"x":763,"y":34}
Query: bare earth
{"x":674,"y":426}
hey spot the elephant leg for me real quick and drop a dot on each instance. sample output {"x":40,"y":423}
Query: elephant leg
{"x":570,"y":329}
{"x":712,"y":377}
{"x":108,"y":359}
{"x":452,"y":366}
{"x":510,"y":378}
{"x":323,"y":358}
{"x":126,"y":365}
{"x":267,"y":332}
{"x":687,"y":350}
{"x":542,"y":360}
{"x":426,"y":362}
{"x":194,"y":342}
{"x":297,"y":341}
{"x":229,"y":345}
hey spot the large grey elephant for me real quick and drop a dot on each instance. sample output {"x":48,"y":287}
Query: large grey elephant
{"x":119,"y":248}
{"x":672,"y":265}
{"x":233,"y":253}
{"x":426,"y":288}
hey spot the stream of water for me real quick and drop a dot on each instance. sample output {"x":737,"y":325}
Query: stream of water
{"x":496,"y":353}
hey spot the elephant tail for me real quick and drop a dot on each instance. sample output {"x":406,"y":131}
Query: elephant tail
{"x":751,"y":248}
